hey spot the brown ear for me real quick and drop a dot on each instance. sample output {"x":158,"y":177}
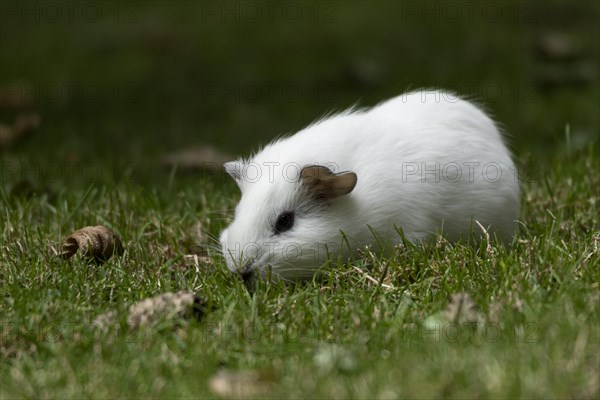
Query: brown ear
{"x":322,"y":183}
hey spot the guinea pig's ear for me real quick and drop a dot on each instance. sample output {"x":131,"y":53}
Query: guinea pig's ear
{"x":234,"y":169}
{"x":323,"y":183}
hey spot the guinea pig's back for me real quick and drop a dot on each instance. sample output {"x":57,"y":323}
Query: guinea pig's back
{"x":430,"y":161}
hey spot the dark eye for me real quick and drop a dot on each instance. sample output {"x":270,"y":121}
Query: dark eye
{"x":285,"y":221}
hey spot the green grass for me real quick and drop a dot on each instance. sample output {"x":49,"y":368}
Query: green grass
{"x":345,"y":336}
{"x":94,"y":161}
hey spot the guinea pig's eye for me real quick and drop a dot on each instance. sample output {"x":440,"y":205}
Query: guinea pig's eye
{"x":285,"y":221}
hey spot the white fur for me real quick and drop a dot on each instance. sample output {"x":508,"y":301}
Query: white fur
{"x":434,"y":132}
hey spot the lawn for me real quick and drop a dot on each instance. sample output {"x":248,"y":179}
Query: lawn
{"x":435,"y":320}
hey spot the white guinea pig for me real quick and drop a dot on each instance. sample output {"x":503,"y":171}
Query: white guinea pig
{"x":422,"y":163}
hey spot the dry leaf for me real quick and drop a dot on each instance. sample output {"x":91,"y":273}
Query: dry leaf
{"x":97,"y":243}
{"x":195,"y":159}
{"x":241,"y":384}
{"x":106,"y":320}
{"x":558,"y":46}
{"x":7,"y":135}
{"x":173,"y":307}
{"x":180,"y":305}
{"x":462,"y":309}
{"x":198,"y":261}
{"x":24,"y":124}
{"x":17,"y":96}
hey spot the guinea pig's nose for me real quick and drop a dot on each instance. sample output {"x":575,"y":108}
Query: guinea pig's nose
{"x":248,"y":275}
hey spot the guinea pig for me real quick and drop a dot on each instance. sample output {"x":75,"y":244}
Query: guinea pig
{"x":417,"y":165}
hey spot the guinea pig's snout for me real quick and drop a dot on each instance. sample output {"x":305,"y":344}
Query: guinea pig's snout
{"x":248,"y":275}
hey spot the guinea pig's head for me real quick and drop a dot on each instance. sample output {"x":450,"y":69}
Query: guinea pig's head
{"x":286,"y":224}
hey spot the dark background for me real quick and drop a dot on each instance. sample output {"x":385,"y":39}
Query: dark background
{"x":124,"y":82}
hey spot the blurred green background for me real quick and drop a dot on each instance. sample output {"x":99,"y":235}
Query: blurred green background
{"x":124,"y":82}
